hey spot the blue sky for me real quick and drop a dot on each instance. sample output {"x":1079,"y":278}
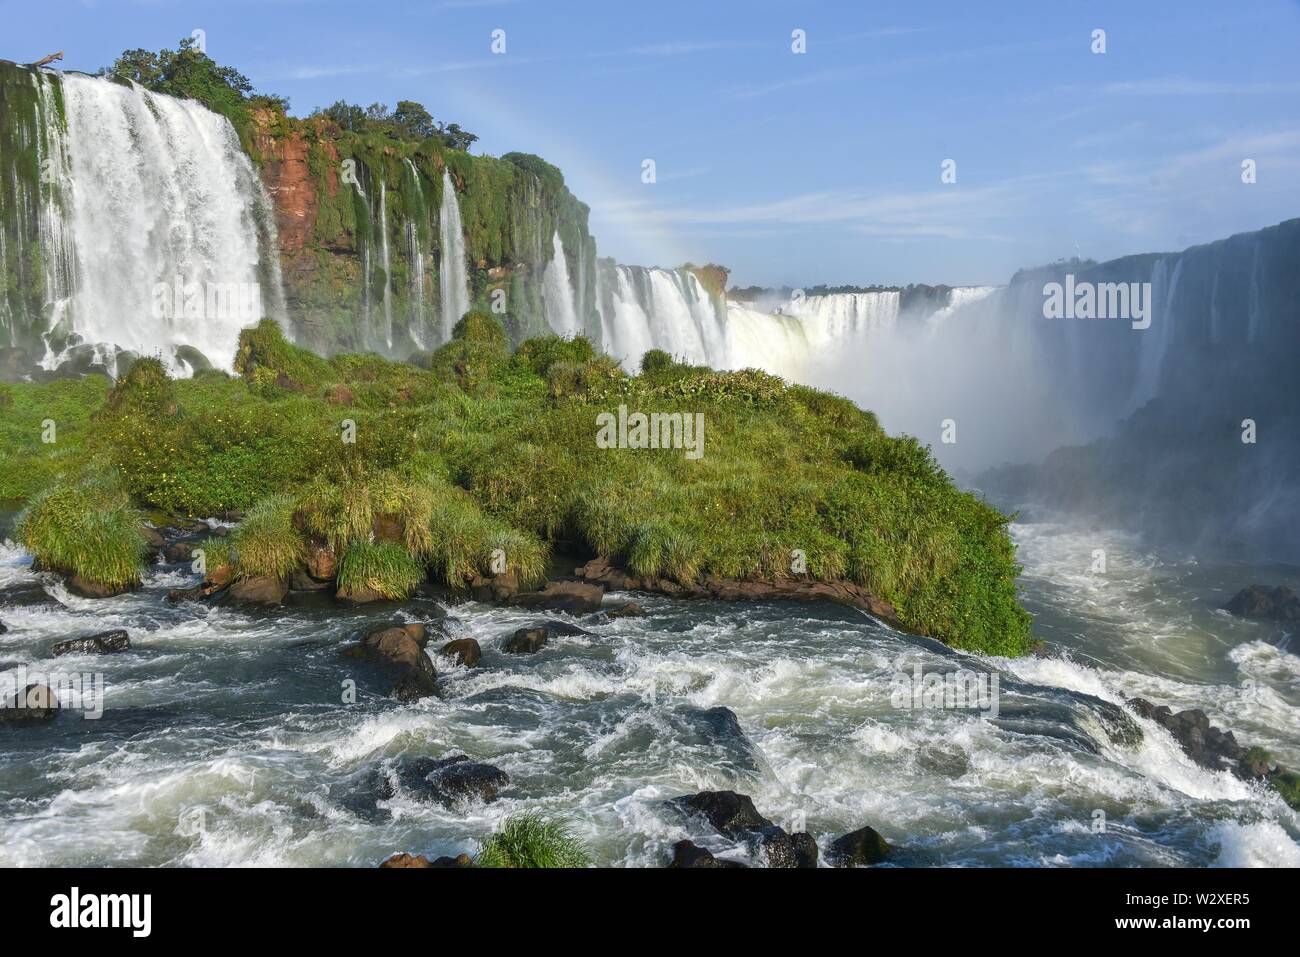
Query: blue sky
{"x":803,"y":168}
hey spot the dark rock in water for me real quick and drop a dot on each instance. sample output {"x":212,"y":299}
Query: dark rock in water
{"x":689,"y":854}
{"x":178,"y":552}
{"x":85,"y":588}
{"x":526,"y":641}
{"x":860,"y":848}
{"x":401,"y":658}
{"x":630,"y":610}
{"x":102,"y":643}
{"x":786,"y":850}
{"x":734,"y":815}
{"x":729,"y":813}
{"x":574,"y":597}
{"x":465,"y":651}
{"x":259,"y":590}
{"x":1260,"y":601}
{"x":495,"y":588}
{"x":460,"y":860}
{"x":407,"y":860}
{"x":26,"y":595}
{"x":301,"y":581}
{"x":3,"y":628}
{"x":193,"y":358}
{"x":33,"y":705}
{"x":449,"y":781}
{"x":1208,"y":746}
{"x":154,"y":539}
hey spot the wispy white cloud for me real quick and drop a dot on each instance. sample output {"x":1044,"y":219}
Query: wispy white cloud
{"x":1181,"y":86}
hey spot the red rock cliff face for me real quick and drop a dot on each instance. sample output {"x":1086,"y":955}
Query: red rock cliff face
{"x":287,"y":178}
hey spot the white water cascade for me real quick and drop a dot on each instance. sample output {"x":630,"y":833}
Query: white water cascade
{"x":557,"y":293}
{"x":839,"y":319}
{"x":165,"y":221}
{"x":386,"y":263}
{"x":415,"y":256}
{"x":453,"y":271}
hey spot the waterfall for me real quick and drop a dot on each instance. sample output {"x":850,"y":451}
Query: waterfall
{"x":557,"y":292}
{"x":385,"y":263}
{"x":415,"y":256}
{"x":453,"y":273}
{"x":157,"y":240}
{"x":837,"y":320}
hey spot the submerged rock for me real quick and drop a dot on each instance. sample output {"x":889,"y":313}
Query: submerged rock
{"x":1261,"y":601}
{"x":860,"y":848}
{"x":27,"y":595}
{"x":630,"y":610}
{"x":35,"y":704}
{"x":103,"y":643}
{"x":3,"y":628}
{"x":449,"y":781}
{"x":1208,"y":746}
{"x":689,"y":854}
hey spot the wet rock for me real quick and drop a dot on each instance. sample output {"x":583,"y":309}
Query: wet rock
{"x":860,"y":848}
{"x":464,"y":651}
{"x":407,"y":860}
{"x":322,"y":564}
{"x":453,"y":781}
{"x":734,"y":815}
{"x":154,"y":539}
{"x":193,"y":358}
{"x":1208,"y":746}
{"x":401,"y":659}
{"x":495,"y":588}
{"x":1261,"y":601}
{"x":526,"y":641}
{"x":259,"y":590}
{"x":301,"y":581}
{"x":102,"y":643}
{"x":689,"y":854}
{"x":357,"y":595}
{"x":3,"y":628}
{"x":27,"y":595}
{"x":460,"y":860}
{"x":782,"y":849}
{"x":178,"y":552}
{"x":574,"y":597}
{"x":85,"y":588}
{"x":35,"y":704}
{"x":730,"y":813}
{"x":630,"y":610}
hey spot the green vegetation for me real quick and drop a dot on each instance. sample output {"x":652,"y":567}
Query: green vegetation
{"x":406,"y":472}
{"x":530,"y":840}
{"x":86,"y":527}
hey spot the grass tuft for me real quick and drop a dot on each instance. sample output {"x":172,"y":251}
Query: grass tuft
{"x":530,"y":840}
{"x":86,"y":527}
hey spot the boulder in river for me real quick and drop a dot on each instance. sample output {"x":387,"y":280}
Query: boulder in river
{"x":401,"y":658}
{"x":35,"y":704}
{"x":1261,"y":601}
{"x":574,"y":597}
{"x":860,"y":848}
{"x":1208,"y":746}
{"x":689,"y":854}
{"x":630,"y":610}
{"x":260,"y":590}
{"x":734,"y":815}
{"x":464,"y":651}
{"x":27,"y":595}
{"x":85,"y":588}
{"x":454,"y":781}
{"x":101,"y":643}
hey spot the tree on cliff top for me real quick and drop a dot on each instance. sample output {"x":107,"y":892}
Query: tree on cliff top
{"x":190,"y":73}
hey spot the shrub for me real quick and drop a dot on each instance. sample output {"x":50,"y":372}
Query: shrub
{"x":530,"y":840}
{"x":266,"y":541}
{"x":86,"y":527}
{"x":385,"y":568}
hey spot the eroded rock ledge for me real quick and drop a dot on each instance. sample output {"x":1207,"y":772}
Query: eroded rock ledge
{"x":601,"y":571}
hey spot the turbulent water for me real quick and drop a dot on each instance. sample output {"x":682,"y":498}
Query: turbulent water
{"x":240,"y":715}
{"x":162,"y":225}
